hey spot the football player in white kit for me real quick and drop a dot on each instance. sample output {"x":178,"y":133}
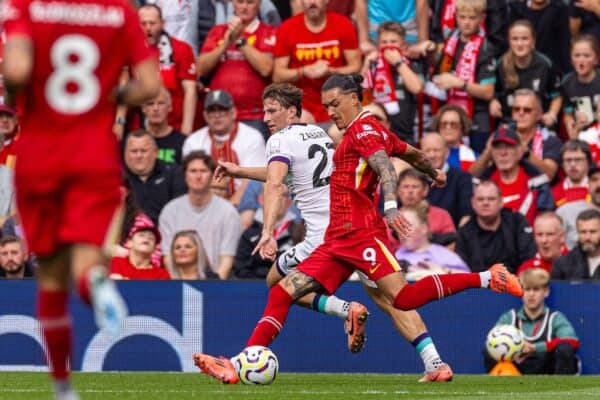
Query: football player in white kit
{"x":301,"y":157}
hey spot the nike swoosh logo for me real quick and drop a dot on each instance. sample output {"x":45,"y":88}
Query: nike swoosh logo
{"x":375,"y":268}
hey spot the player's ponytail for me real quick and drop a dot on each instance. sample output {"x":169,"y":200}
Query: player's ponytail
{"x":349,"y":83}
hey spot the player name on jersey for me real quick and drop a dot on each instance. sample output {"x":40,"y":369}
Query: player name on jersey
{"x":77,"y":14}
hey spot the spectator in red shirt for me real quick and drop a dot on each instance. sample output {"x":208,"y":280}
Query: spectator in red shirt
{"x":139,"y":264}
{"x":239,"y":57}
{"x":177,"y":68}
{"x":310,"y":47}
{"x":9,"y":127}
{"x":576,"y":159}
{"x":549,"y":237}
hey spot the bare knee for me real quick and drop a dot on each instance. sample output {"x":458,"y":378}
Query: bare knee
{"x":273,"y":276}
{"x":54,"y":270}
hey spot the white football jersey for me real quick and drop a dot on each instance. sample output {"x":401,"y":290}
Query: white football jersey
{"x":308,"y":152}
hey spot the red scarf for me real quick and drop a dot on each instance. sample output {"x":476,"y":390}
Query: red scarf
{"x":222,"y":150}
{"x":537,"y":144}
{"x":465,"y":68}
{"x":381,"y":80}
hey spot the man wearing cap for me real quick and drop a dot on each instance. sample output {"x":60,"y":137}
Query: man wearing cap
{"x":9,"y":127}
{"x":141,"y":262}
{"x":524,"y":187}
{"x":570,"y":211}
{"x":226,"y":139}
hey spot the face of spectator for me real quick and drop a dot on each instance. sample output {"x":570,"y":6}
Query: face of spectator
{"x":247,"y":10}
{"x":468,"y":21}
{"x":198,"y":176}
{"x":589,"y":235}
{"x":583,"y":58}
{"x":411,"y":191}
{"x":549,"y":237}
{"x":506,"y":156}
{"x":341,"y":107}
{"x":521,"y":41}
{"x":143,"y":242}
{"x":314,"y":9}
{"x":157,"y":110}
{"x":450,"y":128}
{"x":140,"y":155}
{"x":417,"y":239}
{"x":526,"y":112}
{"x":435,"y":149}
{"x":389,"y":38}
{"x":8,"y":125}
{"x":486,"y":201}
{"x":594,"y":185}
{"x":152,"y":25}
{"x":220,"y":120}
{"x":534,"y":297}
{"x":12,"y":257}
{"x":277,"y":117}
{"x":185,"y":251}
{"x":575,"y":164}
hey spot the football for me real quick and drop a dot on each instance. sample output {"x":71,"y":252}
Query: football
{"x":256,"y":365}
{"x":504,"y":342}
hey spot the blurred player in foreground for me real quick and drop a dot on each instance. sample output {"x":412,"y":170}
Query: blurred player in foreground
{"x":62,"y":59}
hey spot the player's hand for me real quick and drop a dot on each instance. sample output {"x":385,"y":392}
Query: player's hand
{"x":226,"y":169}
{"x":528,"y":350}
{"x":440,"y":179}
{"x":398,"y":223}
{"x":266,"y":247}
{"x":495,"y":108}
{"x":316,"y":70}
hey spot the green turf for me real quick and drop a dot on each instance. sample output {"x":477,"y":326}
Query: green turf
{"x":172,"y":386}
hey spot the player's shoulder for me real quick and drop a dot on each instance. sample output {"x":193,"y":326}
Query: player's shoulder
{"x":366,"y":125}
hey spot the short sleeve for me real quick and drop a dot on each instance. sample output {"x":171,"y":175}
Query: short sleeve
{"x":138,"y":46}
{"x":551,"y":149}
{"x":267,"y":41}
{"x":399,"y":146}
{"x":212,"y":39}
{"x":283,"y":46}
{"x":279,"y":149}
{"x":368,"y":139}
{"x":16,"y":18}
{"x":349,"y":36}
{"x":486,"y":65}
{"x":186,"y":68}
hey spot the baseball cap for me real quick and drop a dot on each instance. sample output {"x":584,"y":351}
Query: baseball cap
{"x":9,"y":110}
{"x":506,"y":134}
{"x":144,"y":223}
{"x":218,"y":98}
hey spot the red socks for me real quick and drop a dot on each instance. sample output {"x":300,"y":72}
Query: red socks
{"x":271,"y":323}
{"x":56,"y":327}
{"x":434,"y":287}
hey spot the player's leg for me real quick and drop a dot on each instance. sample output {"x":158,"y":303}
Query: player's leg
{"x":53,"y":277}
{"x":412,"y":328}
{"x":94,"y":287}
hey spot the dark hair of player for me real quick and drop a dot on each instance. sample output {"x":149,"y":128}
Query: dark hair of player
{"x":349,"y":83}
{"x":285,"y":94}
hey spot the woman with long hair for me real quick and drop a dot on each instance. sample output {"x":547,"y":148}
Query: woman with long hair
{"x":188,"y":257}
{"x":581,"y":88}
{"x":523,"y":67}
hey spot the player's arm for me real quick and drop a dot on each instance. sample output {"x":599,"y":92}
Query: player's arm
{"x":143,"y":87}
{"x":274,"y":192}
{"x":225,"y":168}
{"x":190,"y":98}
{"x":382,"y":165}
{"x":17,"y":64}
{"x":419,"y":160}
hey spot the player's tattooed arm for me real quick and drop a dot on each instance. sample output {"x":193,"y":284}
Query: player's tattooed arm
{"x":382,"y":165}
{"x":419,"y":160}
{"x":298,"y":284}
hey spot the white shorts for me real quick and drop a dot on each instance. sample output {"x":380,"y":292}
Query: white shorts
{"x":296,"y":254}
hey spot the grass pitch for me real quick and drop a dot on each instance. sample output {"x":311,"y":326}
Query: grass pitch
{"x":173,"y":386}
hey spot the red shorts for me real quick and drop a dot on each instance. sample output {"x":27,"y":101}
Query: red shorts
{"x":59,"y":209}
{"x":332,"y":263}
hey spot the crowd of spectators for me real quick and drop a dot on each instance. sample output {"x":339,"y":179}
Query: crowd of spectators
{"x":503,"y":95}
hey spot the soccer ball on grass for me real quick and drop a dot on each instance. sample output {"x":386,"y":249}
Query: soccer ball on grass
{"x":504,"y":342}
{"x":256,"y":365}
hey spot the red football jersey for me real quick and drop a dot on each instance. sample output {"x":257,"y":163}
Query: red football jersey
{"x":122,"y":266}
{"x":353,"y":183}
{"x":304,"y":47}
{"x":517,"y":196}
{"x":80,"y":48}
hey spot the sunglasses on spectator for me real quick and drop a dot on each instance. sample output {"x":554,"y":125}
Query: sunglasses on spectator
{"x":526,"y":110}
{"x":449,"y":124}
